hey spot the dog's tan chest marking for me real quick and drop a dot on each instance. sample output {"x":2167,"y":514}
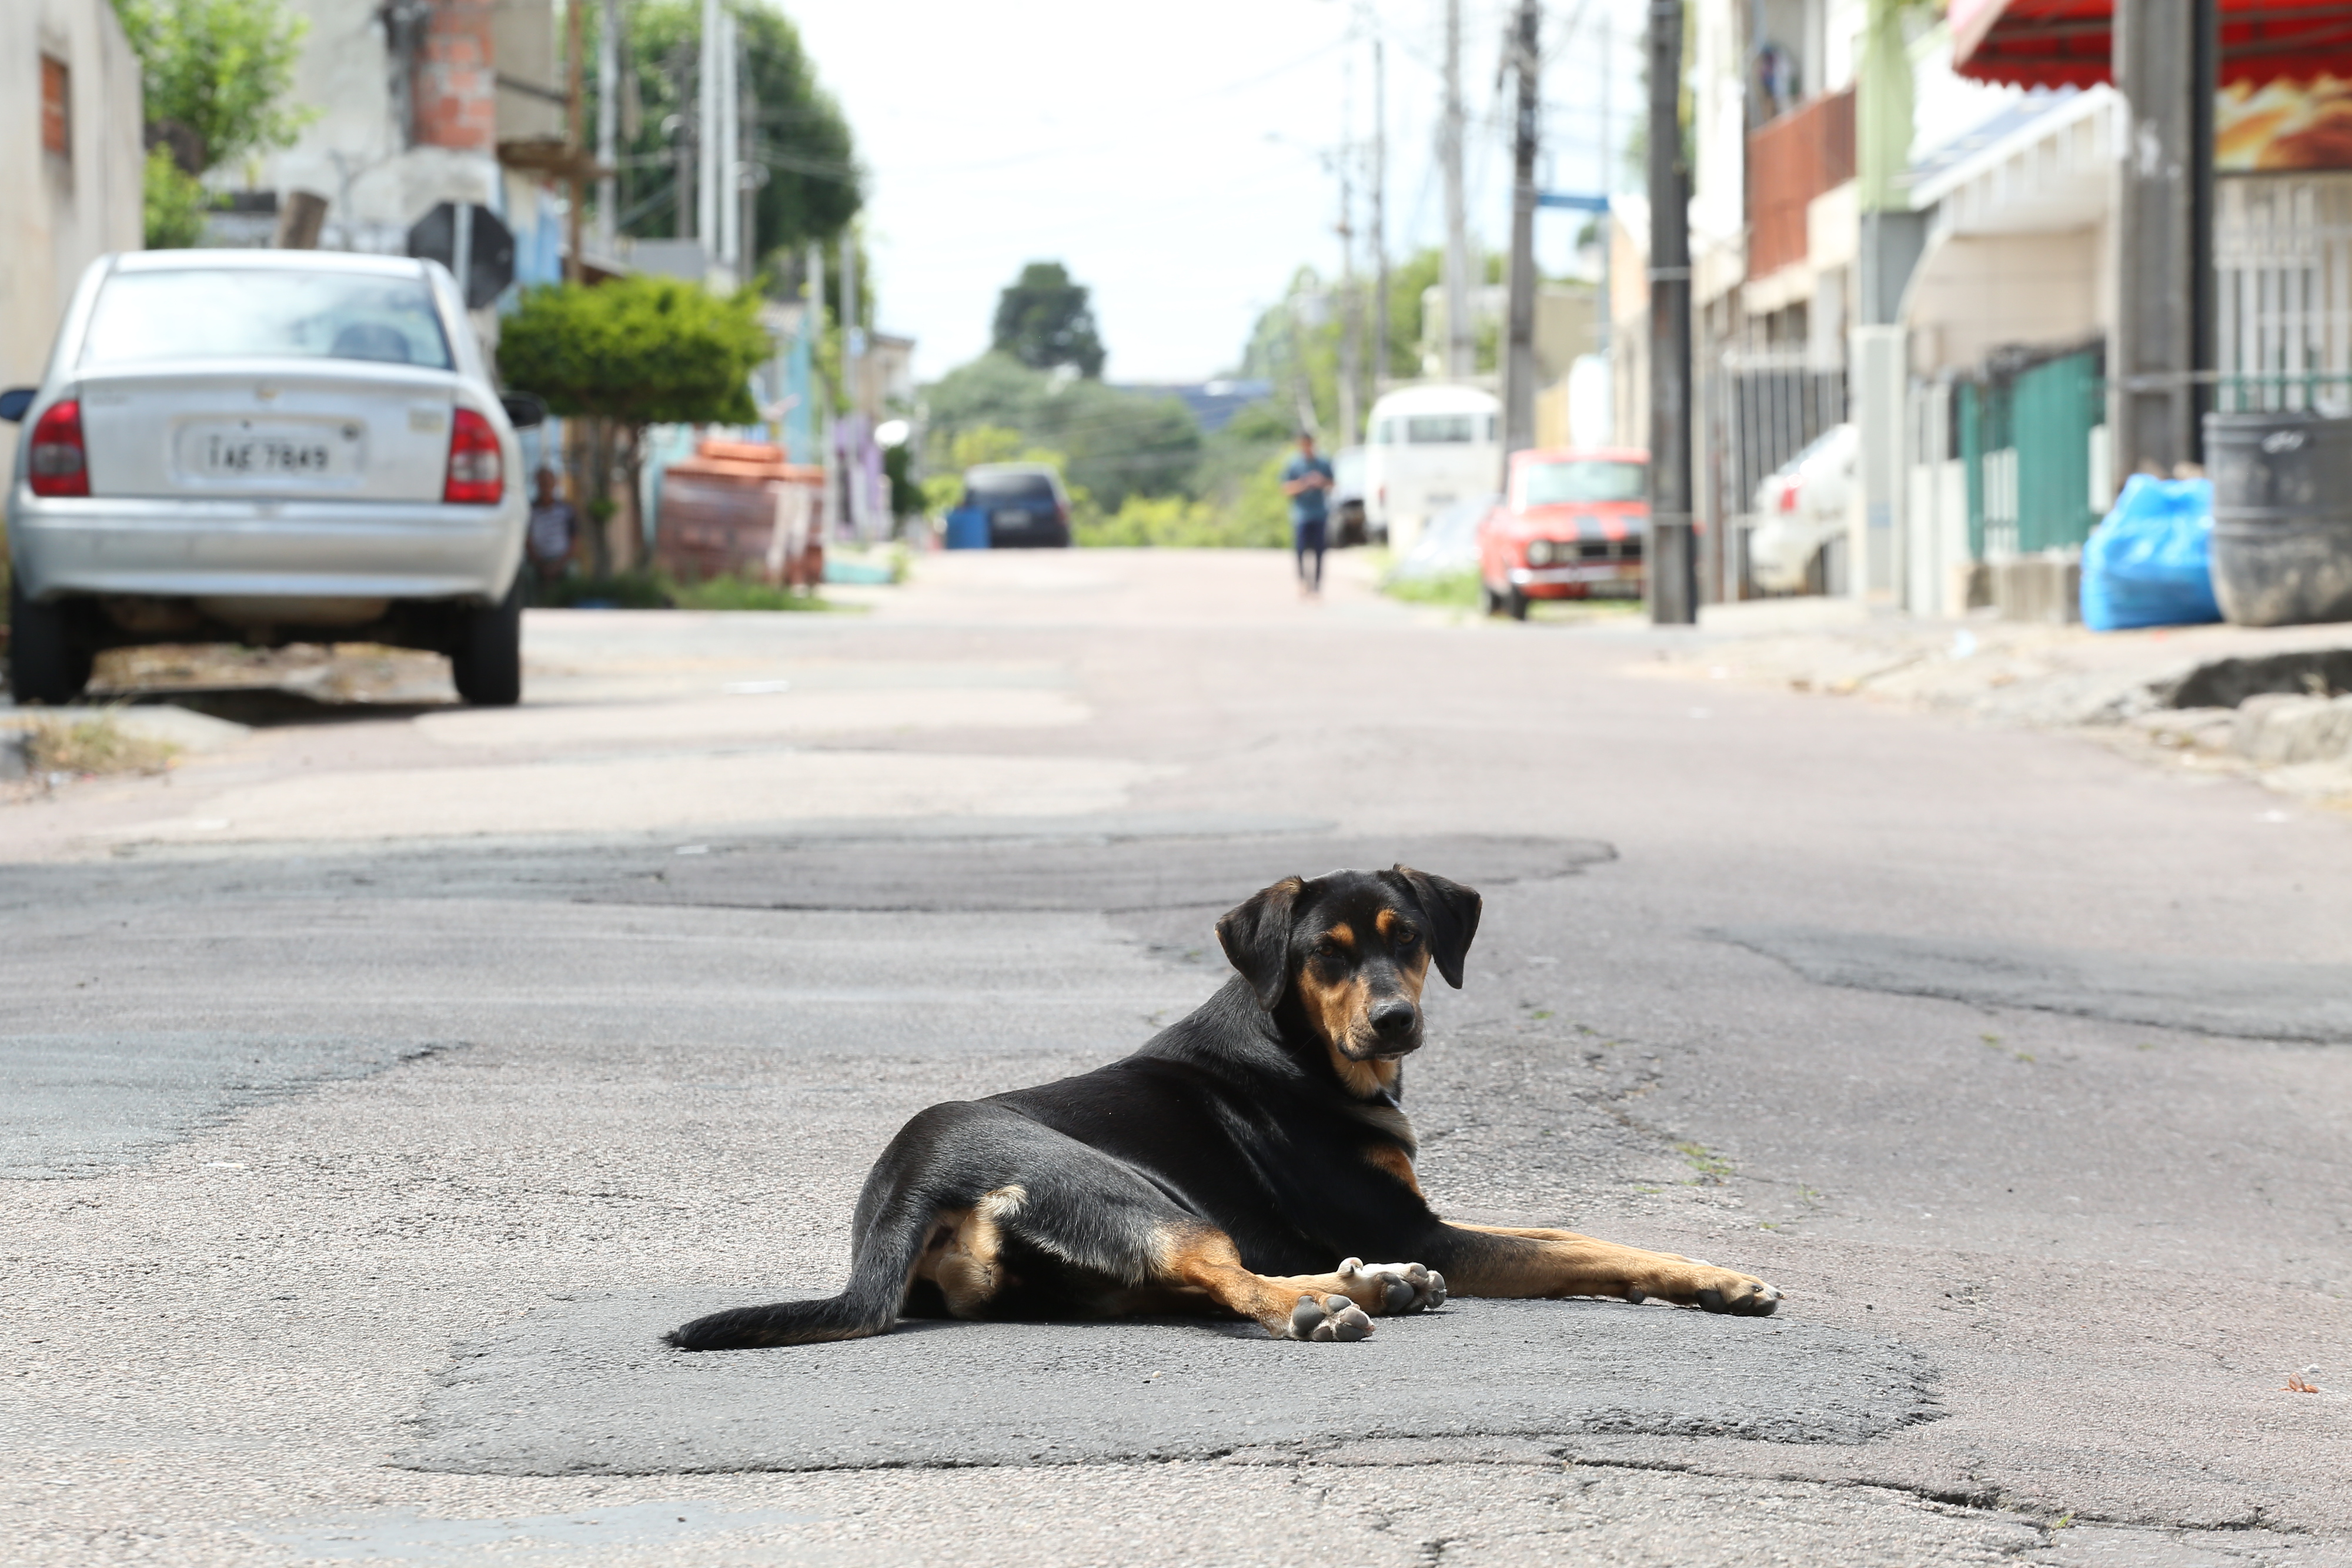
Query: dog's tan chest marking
{"x":1395,"y":1161}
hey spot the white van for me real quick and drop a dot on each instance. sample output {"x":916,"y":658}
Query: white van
{"x":1430,"y":446}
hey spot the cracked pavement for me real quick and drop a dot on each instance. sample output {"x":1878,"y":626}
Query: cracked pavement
{"x":350,"y":1140}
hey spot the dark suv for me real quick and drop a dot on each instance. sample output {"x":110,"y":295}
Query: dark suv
{"x":1024,"y":504}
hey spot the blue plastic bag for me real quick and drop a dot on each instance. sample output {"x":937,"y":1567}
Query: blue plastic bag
{"x":2148,"y":561}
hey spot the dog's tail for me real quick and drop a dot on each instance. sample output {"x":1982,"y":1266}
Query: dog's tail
{"x":887,"y":1254}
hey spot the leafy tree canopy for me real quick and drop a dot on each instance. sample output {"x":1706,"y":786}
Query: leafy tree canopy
{"x":1116,"y":444}
{"x":1044,"y":321}
{"x":216,"y":74}
{"x":637,"y":351}
{"x":813,"y":184}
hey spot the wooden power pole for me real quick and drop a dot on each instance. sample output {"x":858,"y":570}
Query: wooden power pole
{"x":1519,"y":373}
{"x":1671,"y":561}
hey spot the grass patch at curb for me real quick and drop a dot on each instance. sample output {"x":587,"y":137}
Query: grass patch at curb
{"x":90,"y":746}
{"x":1456,"y":589}
{"x":659,"y":591}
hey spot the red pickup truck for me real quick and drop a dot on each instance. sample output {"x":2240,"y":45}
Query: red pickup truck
{"x":1572,"y":525}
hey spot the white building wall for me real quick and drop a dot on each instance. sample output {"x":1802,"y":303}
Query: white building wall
{"x":60,"y":215}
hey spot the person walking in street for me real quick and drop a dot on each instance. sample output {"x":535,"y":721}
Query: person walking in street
{"x":1307,"y":480}
{"x":554,"y":529}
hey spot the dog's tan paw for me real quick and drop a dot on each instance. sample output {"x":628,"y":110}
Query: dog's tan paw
{"x":1740,"y":1295}
{"x":1328,"y":1318}
{"x":1385,"y":1290}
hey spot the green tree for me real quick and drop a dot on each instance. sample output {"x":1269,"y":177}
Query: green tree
{"x":215,"y":75}
{"x":1117,"y":442}
{"x":630,"y":353}
{"x":1044,"y":320}
{"x":801,"y":139}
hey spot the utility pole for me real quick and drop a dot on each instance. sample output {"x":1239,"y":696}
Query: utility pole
{"x":709,"y":92}
{"x":730,"y":185}
{"x":1606,"y":185}
{"x":1672,"y":561}
{"x":2164,"y":59}
{"x":751,"y":174}
{"x":1520,"y":357}
{"x":575,"y":144}
{"x":1461,"y":333}
{"x":681,"y":130}
{"x":608,"y":120}
{"x":1350,"y":315}
{"x":1379,"y":213}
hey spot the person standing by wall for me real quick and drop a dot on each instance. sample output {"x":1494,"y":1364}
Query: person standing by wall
{"x":554,"y":530}
{"x":1307,"y":480}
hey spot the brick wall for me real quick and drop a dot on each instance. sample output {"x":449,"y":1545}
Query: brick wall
{"x":1804,"y":154}
{"x":456,"y":79}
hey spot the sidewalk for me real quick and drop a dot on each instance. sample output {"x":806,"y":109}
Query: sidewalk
{"x":2268,"y":702}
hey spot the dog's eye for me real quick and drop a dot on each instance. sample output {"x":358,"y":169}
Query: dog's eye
{"x":1405,"y":936}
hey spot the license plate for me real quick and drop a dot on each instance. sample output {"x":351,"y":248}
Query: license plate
{"x":251,"y":449}
{"x":1623,"y":588}
{"x":1603,"y":573}
{"x":1013,"y":519}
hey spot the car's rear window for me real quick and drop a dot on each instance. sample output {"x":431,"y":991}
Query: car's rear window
{"x":1009,"y":489}
{"x":1550,"y":484}
{"x":195,"y":313}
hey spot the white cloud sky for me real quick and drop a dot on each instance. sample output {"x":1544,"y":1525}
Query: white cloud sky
{"x":1169,"y":156}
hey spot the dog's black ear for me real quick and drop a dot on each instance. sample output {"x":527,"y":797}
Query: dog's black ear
{"x":1452,"y":912}
{"x":1256,"y":938}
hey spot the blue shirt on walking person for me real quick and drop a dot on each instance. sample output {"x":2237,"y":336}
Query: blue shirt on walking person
{"x":1307,"y":480}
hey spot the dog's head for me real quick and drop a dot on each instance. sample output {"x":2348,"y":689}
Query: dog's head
{"x":1353,"y":949}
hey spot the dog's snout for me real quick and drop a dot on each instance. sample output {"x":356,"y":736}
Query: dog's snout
{"x":1395,"y":1017}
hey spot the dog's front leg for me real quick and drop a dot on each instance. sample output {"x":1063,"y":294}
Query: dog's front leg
{"x":1496,"y":1261}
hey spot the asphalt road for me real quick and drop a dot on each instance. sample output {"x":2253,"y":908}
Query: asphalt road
{"x":379,"y":1083}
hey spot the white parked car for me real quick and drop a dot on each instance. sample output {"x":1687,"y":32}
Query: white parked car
{"x":265,"y":447}
{"x":1802,"y":510}
{"x":1430,"y":446}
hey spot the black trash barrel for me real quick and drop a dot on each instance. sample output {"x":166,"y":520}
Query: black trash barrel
{"x":2282,"y":515}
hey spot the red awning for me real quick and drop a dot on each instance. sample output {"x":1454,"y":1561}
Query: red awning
{"x":2068,"y":42}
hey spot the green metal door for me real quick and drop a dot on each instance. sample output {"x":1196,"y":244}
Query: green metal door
{"x":2053,"y":408}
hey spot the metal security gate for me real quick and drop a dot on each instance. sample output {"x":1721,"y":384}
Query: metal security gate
{"x":2026,"y":445}
{"x":1763,"y":406}
{"x":2283,"y":326}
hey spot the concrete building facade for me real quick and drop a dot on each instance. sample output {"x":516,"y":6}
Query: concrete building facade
{"x":71,"y":168}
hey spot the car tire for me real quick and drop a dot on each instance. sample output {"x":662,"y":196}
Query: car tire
{"x":486,"y":663}
{"x":50,"y":651}
{"x":1489,"y":602}
{"x":1517,"y":604}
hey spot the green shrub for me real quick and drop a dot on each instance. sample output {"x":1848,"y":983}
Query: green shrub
{"x":175,"y":204}
{"x":1456,"y":588}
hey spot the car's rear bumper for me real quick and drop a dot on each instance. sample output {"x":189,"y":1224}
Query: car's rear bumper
{"x":1036,"y":536}
{"x":311,"y":550}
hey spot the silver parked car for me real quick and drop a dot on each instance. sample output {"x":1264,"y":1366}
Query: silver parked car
{"x":265,"y":447}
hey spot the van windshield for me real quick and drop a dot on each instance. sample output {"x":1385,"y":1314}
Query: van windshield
{"x":1008,"y":489}
{"x":1550,"y":484}
{"x":1440,"y":429}
{"x":235,"y":313}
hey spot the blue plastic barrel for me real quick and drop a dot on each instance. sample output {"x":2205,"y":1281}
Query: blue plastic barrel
{"x":967,"y":529}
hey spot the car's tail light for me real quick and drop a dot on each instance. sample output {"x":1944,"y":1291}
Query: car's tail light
{"x":477,"y":469}
{"x":1061,"y":513}
{"x":59,"y":463}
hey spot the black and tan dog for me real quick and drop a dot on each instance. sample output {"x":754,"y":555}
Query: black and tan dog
{"x":1224,"y":1168}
